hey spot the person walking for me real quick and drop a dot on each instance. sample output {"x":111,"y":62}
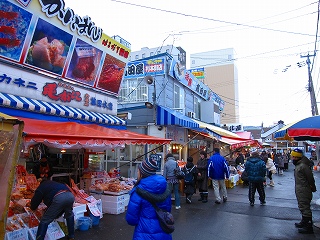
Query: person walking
{"x":218,"y":171}
{"x":256,"y":170}
{"x":189,"y":179}
{"x":149,"y":188}
{"x":202,"y":176}
{"x":168,"y":173}
{"x":58,"y":198}
{"x":304,"y":187}
{"x":271,"y":169}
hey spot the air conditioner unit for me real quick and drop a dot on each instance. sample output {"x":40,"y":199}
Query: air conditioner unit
{"x":191,"y":114}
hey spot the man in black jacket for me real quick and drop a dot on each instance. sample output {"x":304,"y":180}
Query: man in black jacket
{"x":57,"y":197}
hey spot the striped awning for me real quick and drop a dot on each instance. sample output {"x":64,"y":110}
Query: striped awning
{"x":167,"y":116}
{"x":29,"y":104}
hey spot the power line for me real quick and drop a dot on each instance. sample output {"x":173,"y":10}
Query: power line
{"x":211,"y":19}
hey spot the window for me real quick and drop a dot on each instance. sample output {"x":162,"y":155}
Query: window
{"x":143,"y":55}
{"x":137,"y":56}
{"x":133,"y":90}
{"x":193,"y":61}
{"x":167,"y":51}
{"x":178,"y":98}
{"x":151,"y":54}
{"x":196,"y":107}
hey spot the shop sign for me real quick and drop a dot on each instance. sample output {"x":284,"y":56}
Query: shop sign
{"x":198,"y":72}
{"x":144,"y":68}
{"x":48,"y":36}
{"x":38,"y":87}
{"x":186,"y":78}
{"x":177,"y":134}
{"x":236,"y":127}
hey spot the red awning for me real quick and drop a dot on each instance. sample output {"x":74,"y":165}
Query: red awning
{"x":72,"y":135}
{"x":237,"y":143}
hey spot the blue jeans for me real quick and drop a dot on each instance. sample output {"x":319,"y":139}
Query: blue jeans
{"x":175,"y":187}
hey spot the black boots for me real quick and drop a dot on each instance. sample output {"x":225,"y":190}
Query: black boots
{"x":305,"y":226}
{"x":70,"y":225}
{"x":205,"y":197}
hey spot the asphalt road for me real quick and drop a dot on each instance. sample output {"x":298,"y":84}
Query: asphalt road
{"x":232,"y":220}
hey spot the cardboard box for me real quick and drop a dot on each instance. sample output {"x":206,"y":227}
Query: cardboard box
{"x":86,"y":183}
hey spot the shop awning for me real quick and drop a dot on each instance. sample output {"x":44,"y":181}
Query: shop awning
{"x":218,"y":130}
{"x":72,"y":135}
{"x":167,"y":116}
{"x":34,"y":105}
{"x":240,"y":142}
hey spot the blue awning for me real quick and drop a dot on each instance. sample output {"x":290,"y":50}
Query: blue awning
{"x":167,"y":116}
{"x":29,"y":104}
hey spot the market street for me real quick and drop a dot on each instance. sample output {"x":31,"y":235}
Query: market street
{"x":235,"y":219}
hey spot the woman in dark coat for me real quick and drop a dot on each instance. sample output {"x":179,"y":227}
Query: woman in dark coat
{"x":190,"y":179}
{"x":202,"y":176}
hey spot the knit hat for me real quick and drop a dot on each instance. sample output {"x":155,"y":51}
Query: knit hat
{"x":296,"y":153}
{"x":148,"y":167}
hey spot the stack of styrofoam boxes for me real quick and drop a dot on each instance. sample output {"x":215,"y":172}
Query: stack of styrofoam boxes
{"x":113,"y":204}
{"x":86,"y":183}
{"x":126,"y":200}
{"x":78,"y":211}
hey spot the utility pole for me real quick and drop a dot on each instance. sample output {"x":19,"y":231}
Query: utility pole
{"x":314,"y":107}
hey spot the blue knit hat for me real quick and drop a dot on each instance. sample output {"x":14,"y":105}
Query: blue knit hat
{"x":148,"y":167}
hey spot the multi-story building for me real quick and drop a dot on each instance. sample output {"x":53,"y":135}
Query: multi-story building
{"x":166,"y":100}
{"x":221,"y":75}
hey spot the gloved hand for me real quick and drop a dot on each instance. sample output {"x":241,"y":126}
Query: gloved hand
{"x":313,"y":188}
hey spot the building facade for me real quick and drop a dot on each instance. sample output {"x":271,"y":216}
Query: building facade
{"x":221,"y":74}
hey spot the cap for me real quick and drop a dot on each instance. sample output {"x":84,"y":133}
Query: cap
{"x":148,"y":167}
{"x":296,"y":153}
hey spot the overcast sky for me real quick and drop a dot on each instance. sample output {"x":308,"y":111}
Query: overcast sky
{"x":268,"y":37}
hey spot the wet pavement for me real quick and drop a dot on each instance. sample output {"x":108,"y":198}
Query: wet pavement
{"x":232,"y":220}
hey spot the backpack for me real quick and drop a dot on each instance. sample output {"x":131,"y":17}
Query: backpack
{"x":189,"y":178}
{"x":179,"y":173}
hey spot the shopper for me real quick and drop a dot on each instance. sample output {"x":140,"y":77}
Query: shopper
{"x":43,"y":169}
{"x":271,"y":169}
{"x":189,"y":180}
{"x":168,"y":173}
{"x":140,"y":213}
{"x":202,"y":177}
{"x":304,"y":187}
{"x":256,"y":170}
{"x":218,"y":171}
{"x":57,"y":197}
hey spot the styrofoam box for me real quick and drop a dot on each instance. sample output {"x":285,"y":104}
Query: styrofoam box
{"x":79,"y":207}
{"x":54,"y":232}
{"x":20,"y":234}
{"x":126,"y":199}
{"x":110,"y":198}
{"x":113,"y":210}
{"x":117,"y":204}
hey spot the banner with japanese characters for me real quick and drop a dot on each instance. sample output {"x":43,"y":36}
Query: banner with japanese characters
{"x":48,"y":36}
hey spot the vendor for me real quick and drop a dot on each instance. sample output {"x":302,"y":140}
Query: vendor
{"x":43,"y":169}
